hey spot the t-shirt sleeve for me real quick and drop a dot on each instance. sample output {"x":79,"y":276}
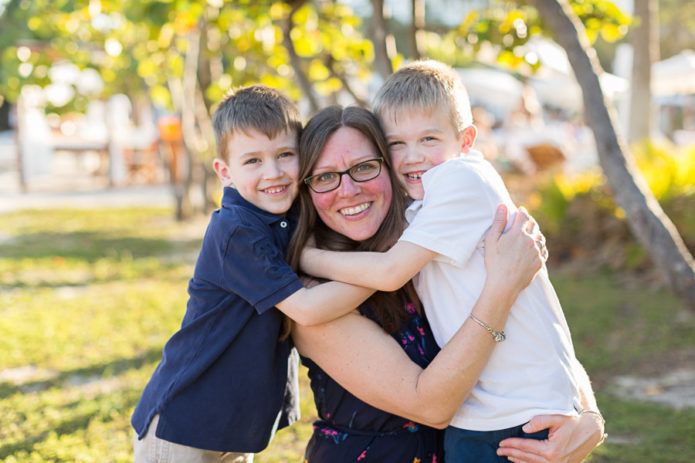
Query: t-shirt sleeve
{"x":457,"y":210}
{"x":254,"y":268}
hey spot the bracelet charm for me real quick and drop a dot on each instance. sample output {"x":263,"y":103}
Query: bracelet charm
{"x":498,"y":336}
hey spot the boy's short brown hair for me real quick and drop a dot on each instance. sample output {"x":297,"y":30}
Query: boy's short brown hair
{"x":256,"y":107}
{"x":424,"y":86}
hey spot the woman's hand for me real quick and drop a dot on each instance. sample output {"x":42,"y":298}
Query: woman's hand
{"x":514,"y":257}
{"x":570,"y":440}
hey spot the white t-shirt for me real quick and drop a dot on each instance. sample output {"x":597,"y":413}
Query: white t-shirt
{"x":531,"y":372}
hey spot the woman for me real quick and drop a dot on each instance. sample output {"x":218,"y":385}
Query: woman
{"x":360,"y":211}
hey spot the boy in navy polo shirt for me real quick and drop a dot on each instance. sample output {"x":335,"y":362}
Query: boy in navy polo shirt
{"x":227,"y":381}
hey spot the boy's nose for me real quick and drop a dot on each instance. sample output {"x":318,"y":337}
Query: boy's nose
{"x":413,"y":155}
{"x":272,"y":170}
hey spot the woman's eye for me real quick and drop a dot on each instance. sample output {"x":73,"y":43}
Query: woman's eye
{"x":365,"y":167}
{"x":325,"y":178}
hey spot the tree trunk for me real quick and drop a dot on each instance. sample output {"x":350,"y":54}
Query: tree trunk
{"x":645,"y":51}
{"x":416,"y":28}
{"x":644,"y":215}
{"x":295,"y":61}
{"x":378,"y":32}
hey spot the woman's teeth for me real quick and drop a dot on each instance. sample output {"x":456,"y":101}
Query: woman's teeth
{"x":413,"y":176}
{"x":354,"y":210}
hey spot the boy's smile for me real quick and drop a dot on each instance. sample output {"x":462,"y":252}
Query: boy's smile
{"x":264,"y":170}
{"x":419,"y":140}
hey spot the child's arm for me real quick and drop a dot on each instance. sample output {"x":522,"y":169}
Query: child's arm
{"x":323,"y":303}
{"x":384,"y":271}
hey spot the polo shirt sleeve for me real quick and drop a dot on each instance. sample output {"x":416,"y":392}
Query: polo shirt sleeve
{"x":457,"y":210}
{"x":254,"y":268}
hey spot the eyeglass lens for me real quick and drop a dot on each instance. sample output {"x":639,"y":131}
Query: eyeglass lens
{"x":360,"y":172}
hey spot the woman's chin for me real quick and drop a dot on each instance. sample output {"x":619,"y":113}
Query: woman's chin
{"x":357,"y":233}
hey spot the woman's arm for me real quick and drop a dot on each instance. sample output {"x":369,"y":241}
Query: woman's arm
{"x":571,"y":438}
{"x":369,"y":363}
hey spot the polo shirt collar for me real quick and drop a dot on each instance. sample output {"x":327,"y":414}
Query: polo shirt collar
{"x":231,"y":197}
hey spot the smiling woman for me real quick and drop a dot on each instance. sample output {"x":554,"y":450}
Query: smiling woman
{"x":384,"y":353}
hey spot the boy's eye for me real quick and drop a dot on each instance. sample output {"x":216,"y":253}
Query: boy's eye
{"x":395,"y":144}
{"x":286,"y":154}
{"x":429,"y":139}
{"x":252,"y":161}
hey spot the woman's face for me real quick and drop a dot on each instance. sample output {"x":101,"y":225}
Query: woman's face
{"x":354,"y":209}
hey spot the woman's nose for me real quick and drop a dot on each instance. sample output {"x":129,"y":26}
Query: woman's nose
{"x":348,"y":187}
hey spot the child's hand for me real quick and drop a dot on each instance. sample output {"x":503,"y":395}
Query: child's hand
{"x":513,"y":258}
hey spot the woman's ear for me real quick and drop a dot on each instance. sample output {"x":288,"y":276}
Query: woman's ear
{"x":223,"y":172}
{"x":468,"y":138}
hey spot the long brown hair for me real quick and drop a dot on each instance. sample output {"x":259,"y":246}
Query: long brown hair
{"x":389,"y":307}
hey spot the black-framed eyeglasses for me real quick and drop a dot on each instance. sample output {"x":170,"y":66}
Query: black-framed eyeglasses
{"x":360,"y":172}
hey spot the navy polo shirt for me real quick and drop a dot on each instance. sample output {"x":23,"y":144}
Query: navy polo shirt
{"x":225,"y":383}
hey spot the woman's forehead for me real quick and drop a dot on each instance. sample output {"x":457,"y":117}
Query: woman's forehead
{"x":346,"y":147}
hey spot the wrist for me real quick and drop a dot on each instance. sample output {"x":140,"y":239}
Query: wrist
{"x":500,"y":292}
{"x":598,"y":419}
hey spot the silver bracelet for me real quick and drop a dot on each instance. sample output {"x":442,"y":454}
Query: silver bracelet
{"x":587,"y":411}
{"x":498,"y":336}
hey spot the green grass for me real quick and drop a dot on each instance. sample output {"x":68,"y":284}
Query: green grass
{"x":88,"y":298}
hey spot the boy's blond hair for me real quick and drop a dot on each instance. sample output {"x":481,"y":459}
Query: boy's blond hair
{"x":425,"y":86}
{"x":256,"y":107}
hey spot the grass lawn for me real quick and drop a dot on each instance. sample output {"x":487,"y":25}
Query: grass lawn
{"x":88,"y":299}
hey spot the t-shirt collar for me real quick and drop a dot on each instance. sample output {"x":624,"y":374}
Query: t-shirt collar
{"x":231,"y":197}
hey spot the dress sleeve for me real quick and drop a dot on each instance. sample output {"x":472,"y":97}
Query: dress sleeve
{"x":457,"y":210}
{"x":254,"y":268}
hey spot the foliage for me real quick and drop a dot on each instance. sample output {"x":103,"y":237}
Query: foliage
{"x":88,"y":299}
{"x":140,"y":46}
{"x":580,"y":217}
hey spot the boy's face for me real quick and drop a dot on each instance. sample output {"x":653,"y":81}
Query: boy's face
{"x":420,"y":140}
{"x":264,"y":170}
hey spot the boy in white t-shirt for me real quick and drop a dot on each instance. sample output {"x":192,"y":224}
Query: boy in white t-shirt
{"x":426,"y":116}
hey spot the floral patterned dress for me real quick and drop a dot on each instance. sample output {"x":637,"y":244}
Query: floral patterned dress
{"x":349,"y":430}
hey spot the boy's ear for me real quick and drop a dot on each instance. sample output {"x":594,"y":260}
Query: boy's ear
{"x":468,"y":138}
{"x":223,"y":172}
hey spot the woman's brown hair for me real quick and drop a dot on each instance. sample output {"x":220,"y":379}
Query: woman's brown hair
{"x":389,"y":307}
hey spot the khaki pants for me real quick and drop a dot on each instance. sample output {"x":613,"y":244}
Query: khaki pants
{"x":152,"y":449}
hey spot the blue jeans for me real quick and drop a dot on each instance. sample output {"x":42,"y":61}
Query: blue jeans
{"x":463,"y":446}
